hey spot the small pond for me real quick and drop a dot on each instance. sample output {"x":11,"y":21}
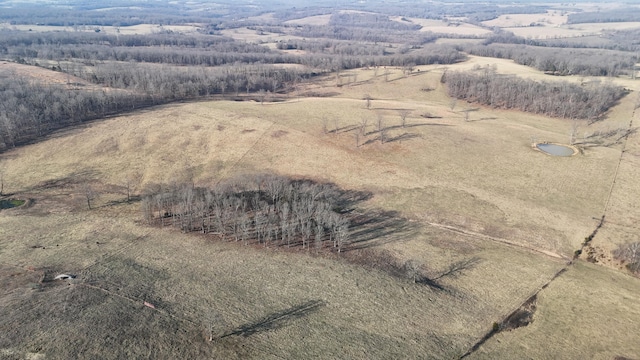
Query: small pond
{"x":11,"y":203}
{"x":556,"y":150}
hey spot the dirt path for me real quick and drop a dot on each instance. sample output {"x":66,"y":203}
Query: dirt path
{"x":499,"y":240}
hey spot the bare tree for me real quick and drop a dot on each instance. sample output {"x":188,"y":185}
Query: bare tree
{"x":213,"y":324}
{"x":89,"y":193}
{"x":363,"y":126}
{"x":403,"y":117}
{"x":131,"y":182}
{"x":356,"y":136}
{"x":262,"y":94}
{"x":573,"y":133}
{"x":2,"y":171}
{"x":413,"y":269}
{"x":367,"y":99}
{"x":453,"y":104}
{"x":629,"y":253}
{"x":325,"y":124}
{"x":319,"y":234}
{"x":381,"y":129}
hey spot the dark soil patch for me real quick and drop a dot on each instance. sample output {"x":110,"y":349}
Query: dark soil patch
{"x":521,"y":317}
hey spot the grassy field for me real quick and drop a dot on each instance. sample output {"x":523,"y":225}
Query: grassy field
{"x":471,"y":192}
{"x":595,"y":305}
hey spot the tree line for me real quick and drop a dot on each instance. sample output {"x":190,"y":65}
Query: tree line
{"x":261,"y":209}
{"x":208,"y":50}
{"x":624,"y":14}
{"x":552,"y":58}
{"x":557,"y":99}
{"x":354,"y":33}
{"x":371,"y":21}
{"x":30,"y":110}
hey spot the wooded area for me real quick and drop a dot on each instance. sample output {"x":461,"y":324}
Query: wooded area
{"x":558,"y":99}
{"x":132,"y":71}
{"x":261,"y":209}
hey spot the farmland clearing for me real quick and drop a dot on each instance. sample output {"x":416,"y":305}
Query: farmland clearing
{"x":473,"y":190}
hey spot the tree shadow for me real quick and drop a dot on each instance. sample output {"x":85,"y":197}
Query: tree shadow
{"x":347,"y":199}
{"x":484,"y":118}
{"x":277,"y":320}
{"x":458,"y":267}
{"x":75,"y":178}
{"x":423,"y":280}
{"x":452,"y":271}
{"x":401,"y":137}
{"x":132,"y":199}
{"x":378,"y":227}
{"x":427,"y":124}
{"x":429,"y":116}
{"x":344,"y":129}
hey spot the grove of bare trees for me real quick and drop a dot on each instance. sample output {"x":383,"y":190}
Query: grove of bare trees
{"x":558,"y":99}
{"x":261,"y":209}
{"x":629,"y":254}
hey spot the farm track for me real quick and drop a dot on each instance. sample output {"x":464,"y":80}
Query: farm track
{"x":496,"y":239}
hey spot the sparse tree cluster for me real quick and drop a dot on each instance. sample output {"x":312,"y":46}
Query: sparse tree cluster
{"x":629,"y":254}
{"x":558,"y":99}
{"x":267,"y":210}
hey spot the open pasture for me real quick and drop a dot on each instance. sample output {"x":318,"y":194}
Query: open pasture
{"x":473,"y":191}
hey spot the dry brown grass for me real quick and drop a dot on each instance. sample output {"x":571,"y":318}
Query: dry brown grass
{"x":252,"y":36}
{"x":42,"y":75}
{"x":449,"y":27}
{"x":587,"y":312}
{"x":465,"y":186}
{"x":317,"y":20}
{"x":550,"y":18}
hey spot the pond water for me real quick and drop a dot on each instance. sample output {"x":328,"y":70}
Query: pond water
{"x":11,"y":203}
{"x":556,"y":150}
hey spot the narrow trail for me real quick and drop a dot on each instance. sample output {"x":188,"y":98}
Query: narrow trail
{"x":498,"y":240}
{"x":494,"y":330}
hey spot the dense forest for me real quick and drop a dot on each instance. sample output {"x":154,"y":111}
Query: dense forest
{"x":558,"y":99}
{"x":615,"y":15}
{"x":561,"y":61}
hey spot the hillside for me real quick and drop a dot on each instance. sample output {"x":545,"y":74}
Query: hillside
{"x":490,"y":221}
